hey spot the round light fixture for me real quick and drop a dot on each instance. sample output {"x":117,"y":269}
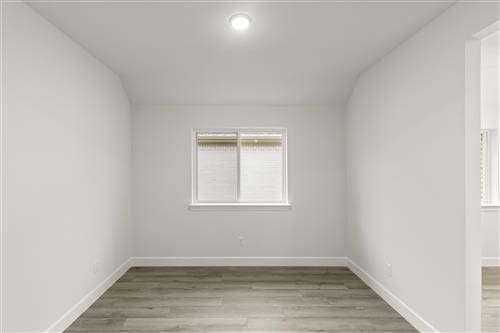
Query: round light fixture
{"x":240,"y":21}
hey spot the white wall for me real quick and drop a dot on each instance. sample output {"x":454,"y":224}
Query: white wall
{"x":406,"y":174}
{"x":66,"y":160}
{"x":490,"y":230}
{"x":162,"y":185}
{"x":489,"y":81}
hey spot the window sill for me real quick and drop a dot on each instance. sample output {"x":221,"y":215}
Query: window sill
{"x":240,"y":206}
{"x":490,"y":207}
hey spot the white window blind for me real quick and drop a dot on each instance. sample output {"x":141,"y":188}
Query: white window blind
{"x":240,"y":166}
{"x":261,"y":167}
{"x":217,"y":166}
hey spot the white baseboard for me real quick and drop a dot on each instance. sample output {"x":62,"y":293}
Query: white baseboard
{"x":239,"y":261}
{"x":491,"y":261}
{"x":76,"y":310}
{"x":402,"y":308}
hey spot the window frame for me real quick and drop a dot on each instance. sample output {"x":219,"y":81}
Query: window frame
{"x":197,"y":204}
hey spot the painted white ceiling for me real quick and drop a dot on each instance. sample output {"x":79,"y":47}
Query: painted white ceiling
{"x":186,"y":53}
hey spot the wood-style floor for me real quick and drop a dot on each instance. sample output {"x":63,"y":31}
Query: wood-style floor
{"x":258,"y":299}
{"x":491,"y":299}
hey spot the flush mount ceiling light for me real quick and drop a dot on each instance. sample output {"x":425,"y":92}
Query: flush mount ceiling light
{"x":240,"y":21}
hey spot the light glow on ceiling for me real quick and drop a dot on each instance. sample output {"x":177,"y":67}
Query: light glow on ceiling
{"x":240,"y":22}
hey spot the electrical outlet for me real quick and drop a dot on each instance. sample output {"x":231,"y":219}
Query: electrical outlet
{"x":242,"y":240}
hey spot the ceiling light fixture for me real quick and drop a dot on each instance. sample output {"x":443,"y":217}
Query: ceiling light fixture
{"x":240,"y":21}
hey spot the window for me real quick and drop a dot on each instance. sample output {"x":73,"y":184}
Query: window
{"x":489,"y":167}
{"x":240,"y":167}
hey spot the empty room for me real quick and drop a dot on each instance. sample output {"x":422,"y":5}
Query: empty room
{"x":250,"y":166}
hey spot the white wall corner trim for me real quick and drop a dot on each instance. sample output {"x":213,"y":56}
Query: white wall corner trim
{"x":76,"y":310}
{"x":239,"y":261}
{"x":491,"y":261}
{"x":402,"y":308}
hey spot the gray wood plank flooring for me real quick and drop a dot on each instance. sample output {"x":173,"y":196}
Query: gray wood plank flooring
{"x":235,"y":299}
{"x":491,"y":299}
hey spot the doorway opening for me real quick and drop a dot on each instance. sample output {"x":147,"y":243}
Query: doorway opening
{"x":483,"y":224}
{"x":490,"y":179}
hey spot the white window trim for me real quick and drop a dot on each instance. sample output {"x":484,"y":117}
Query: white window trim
{"x":240,"y":206}
{"x":237,"y":205}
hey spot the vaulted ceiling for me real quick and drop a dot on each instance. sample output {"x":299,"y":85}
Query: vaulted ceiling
{"x":185,"y":52}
